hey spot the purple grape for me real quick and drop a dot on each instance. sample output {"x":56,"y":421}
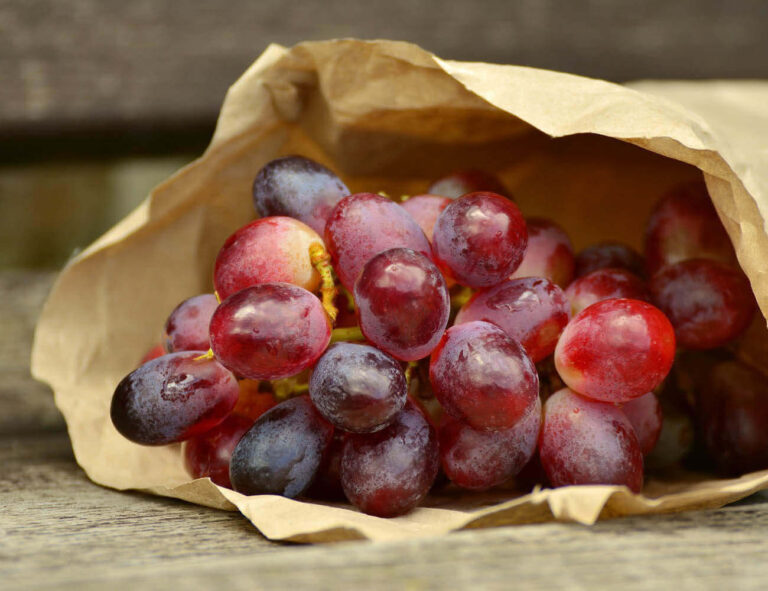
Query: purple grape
{"x":282,"y":452}
{"x":173,"y":398}
{"x":357,"y":388}
{"x":187,"y":327}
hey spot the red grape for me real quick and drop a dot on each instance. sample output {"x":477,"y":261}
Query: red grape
{"x":187,"y":327}
{"x":482,"y":376}
{"x":644,"y":412}
{"x":363,"y":225}
{"x":605,"y":284}
{"x":732,"y":417}
{"x":480,"y":239}
{"x":389,"y":472}
{"x":425,"y":209}
{"x":269,"y":331}
{"x":479,"y":460}
{"x":708,"y":303}
{"x":208,"y":454}
{"x":269,"y":250}
{"x":300,"y":188}
{"x":684,"y":225}
{"x":549,"y":253}
{"x":173,"y":398}
{"x":616,"y":350}
{"x":253,"y":402}
{"x":609,"y":255}
{"x":462,"y":182}
{"x":531,"y":310}
{"x":153,"y":353}
{"x":402,"y":303}
{"x":282,"y":452}
{"x":588,"y":442}
{"x":357,"y":388}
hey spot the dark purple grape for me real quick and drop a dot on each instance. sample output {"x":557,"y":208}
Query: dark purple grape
{"x":270,"y":331}
{"x":363,"y":225}
{"x":357,"y":388}
{"x":609,"y":255}
{"x":327,"y":483}
{"x":479,"y":460}
{"x":482,"y":376}
{"x":402,"y":303}
{"x":282,"y":452}
{"x":389,"y":472}
{"x":300,"y":188}
{"x":480,"y":239}
{"x":173,"y":398}
{"x":187,"y":327}
{"x":208,"y":454}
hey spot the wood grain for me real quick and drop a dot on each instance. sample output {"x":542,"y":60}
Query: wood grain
{"x":59,"y":530}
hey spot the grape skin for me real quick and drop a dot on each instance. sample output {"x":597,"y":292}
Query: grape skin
{"x":187,"y":326}
{"x":269,"y":331}
{"x":208,"y":454}
{"x":605,"y":284}
{"x":549,"y":253}
{"x":461,"y":182}
{"x":425,"y":209}
{"x":282,"y":452}
{"x":588,"y":442}
{"x":609,"y":255}
{"x":644,"y":413}
{"x":389,"y":472}
{"x":173,"y":398}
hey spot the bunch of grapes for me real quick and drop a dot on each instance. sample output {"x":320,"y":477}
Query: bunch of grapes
{"x":356,"y":346}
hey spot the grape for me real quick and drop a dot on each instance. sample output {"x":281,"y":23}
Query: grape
{"x":531,"y":310}
{"x":357,"y":388}
{"x":480,"y":239}
{"x":173,"y":398}
{"x":389,"y":472}
{"x":616,"y":350}
{"x":605,"y":284}
{"x":644,"y":412}
{"x":269,"y":331}
{"x":479,"y":460}
{"x":588,"y":442}
{"x":676,"y":436}
{"x":327,"y":483}
{"x":282,"y":452}
{"x":462,"y":182}
{"x":482,"y":376}
{"x":609,"y":255}
{"x":708,"y":303}
{"x":425,"y":209}
{"x":269,"y":250}
{"x":549,"y":253}
{"x":187,"y":327}
{"x":684,"y":225}
{"x":153,"y":353}
{"x":732,"y":417}
{"x":300,"y":188}
{"x":363,"y":225}
{"x":208,"y":454}
{"x":402,"y":303}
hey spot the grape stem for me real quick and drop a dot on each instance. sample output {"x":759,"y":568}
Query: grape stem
{"x":321,"y":261}
{"x":348,"y":333}
{"x":208,"y":355}
{"x":286,"y":388}
{"x":461,"y":298}
{"x":412,"y":365}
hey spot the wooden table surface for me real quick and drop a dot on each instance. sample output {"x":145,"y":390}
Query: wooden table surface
{"x":58,"y":530}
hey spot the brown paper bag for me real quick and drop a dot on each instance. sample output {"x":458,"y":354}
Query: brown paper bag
{"x":391,"y":116}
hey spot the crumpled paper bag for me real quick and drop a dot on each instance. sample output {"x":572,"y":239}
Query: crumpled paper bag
{"x":390,"y":116}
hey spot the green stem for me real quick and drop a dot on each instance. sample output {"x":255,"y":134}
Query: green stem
{"x":347,"y":333}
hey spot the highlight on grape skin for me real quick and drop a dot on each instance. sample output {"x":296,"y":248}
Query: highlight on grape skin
{"x":616,"y":350}
{"x":479,"y":460}
{"x":549,"y":253}
{"x":300,"y":188}
{"x":588,"y":442}
{"x":531,"y":310}
{"x":482,"y":376}
{"x":389,"y":472}
{"x":173,"y":398}
{"x":187,"y":326}
{"x":402,"y":303}
{"x":357,"y":387}
{"x":268,"y":250}
{"x":269,"y":331}
{"x":282,"y":452}
{"x":480,"y":239}
{"x":365,"y":224}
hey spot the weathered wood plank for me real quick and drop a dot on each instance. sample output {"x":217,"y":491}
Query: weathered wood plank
{"x":60,"y":530}
{"x":155,"y":62}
